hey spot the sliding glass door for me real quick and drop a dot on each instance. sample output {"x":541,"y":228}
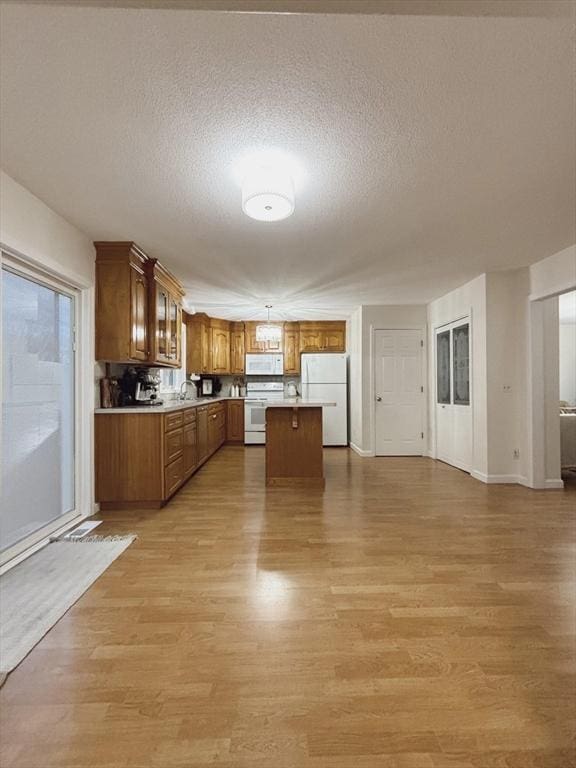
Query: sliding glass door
{"x":38,"y":408}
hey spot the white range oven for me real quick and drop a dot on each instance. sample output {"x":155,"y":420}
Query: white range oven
{"x":258,"y":395}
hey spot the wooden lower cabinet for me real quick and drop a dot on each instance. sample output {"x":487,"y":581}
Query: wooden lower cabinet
{"x":190,"y":448}
{"x":216,"y":426}
{"x":235,"y":421}
{"x":143,"y":458}
{"x":173,"y":476}
{"x":202,"y":422}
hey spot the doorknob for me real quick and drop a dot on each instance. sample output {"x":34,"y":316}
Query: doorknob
{"x":378,"y":399}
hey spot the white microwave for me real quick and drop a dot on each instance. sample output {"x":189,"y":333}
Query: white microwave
{"x":264,"y":365}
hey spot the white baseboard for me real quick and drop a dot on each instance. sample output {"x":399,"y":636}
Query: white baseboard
{"x":548,"y":485}
{"x":360,"y":451}
{"x":556,"y":485}
{"x":495,"y":479}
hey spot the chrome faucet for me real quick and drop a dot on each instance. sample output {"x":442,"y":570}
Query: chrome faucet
{"x":183,"y":388}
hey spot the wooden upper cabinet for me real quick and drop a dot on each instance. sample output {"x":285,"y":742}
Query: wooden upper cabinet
{"x":237,"y":348}
{"x":139,"y":346}
{"x":166,"y":316}
{"x":329,"y":336}
{"x":291,"y":348}
{"x":138,"y":307}
{"x":220,"y":335}
{"x":252,"y":346}
{"x":334,"y":338}
{"x":310,"y":337}
{"x":198,"y":344}
{"x":122,"y":303}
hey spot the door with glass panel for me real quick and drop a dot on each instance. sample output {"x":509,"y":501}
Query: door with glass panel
{"x":453,"y":402}
{"x":38,"y":492}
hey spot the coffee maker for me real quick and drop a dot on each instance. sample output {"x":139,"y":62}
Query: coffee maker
{"x":147,"y":386}
{"x":139,"y":386}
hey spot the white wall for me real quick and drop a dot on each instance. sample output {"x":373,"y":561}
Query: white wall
{"x":506,"y":350}
{"x":33,"y":231}
{"x":469,"y":299}
{"x":568,"y":362}
{"x":363,"y":323}
{"x":554,"y":274}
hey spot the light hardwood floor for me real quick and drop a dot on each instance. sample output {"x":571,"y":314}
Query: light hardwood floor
{"x":406,"y":617}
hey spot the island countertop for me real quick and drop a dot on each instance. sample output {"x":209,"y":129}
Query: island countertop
{"x":299,"y":402}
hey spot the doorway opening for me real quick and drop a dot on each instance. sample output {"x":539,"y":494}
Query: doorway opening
{"x":567,"y":385}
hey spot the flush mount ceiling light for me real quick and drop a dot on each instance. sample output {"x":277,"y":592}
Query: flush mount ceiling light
{"x":268,"y":194}
{"x":268,"y":332}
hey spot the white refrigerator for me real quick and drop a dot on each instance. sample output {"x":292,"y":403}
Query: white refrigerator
{"x":324,"y":377}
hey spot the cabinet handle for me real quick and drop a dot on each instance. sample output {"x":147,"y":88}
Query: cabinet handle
{"x":214,"y":416}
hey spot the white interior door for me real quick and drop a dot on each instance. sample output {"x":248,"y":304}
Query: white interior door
{"x":453,"y":401}
{"x":399,"y":393}
{"x":38,"y":491}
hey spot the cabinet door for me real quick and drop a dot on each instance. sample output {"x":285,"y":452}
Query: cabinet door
{"x":220,"y":350}
{"x":334,"y":340}
{"x":310,"y":339}
{"x":174,"y":330}
{"x":138,"y":314}
{"x":162,"y":329}
{"x":190,"y":449}
{"x":173,"y":476}
{"x":253,"y":346}
{"x":237,"y":352}
{"x":193,"y":348}
{"x":202,"y":439}
{"x":174,"y":445}
{"x":235,"y":421}
{"x":291,"y":351}
{"x":205,"y":349}
{"x":213,"y":432}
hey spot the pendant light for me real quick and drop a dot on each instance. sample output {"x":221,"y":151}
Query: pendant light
{"x":269,"y":332}
{"x":268,"y":194}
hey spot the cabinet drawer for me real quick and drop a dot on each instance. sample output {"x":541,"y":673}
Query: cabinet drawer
{"x":190,"y":416}
{"x":173,"y":420}
{"x":173,"y":476}
{"x":216,"y":408}
{"x":174,"y":445}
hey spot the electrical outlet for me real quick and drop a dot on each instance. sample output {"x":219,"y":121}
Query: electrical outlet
{"x":516,"y":453}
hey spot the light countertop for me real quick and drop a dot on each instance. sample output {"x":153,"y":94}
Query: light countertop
{"x":299,"y":402}
{"x":168,"y":407}
{"x":179,"y":405}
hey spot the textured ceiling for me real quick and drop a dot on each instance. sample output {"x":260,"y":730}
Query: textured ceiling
{"x":427,"y":149}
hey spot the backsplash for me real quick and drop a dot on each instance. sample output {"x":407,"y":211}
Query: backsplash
{"x":117,"y":369}
{"x":227,"y":381}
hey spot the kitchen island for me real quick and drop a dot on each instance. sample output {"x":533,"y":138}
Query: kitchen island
{"x":294,"y":443}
